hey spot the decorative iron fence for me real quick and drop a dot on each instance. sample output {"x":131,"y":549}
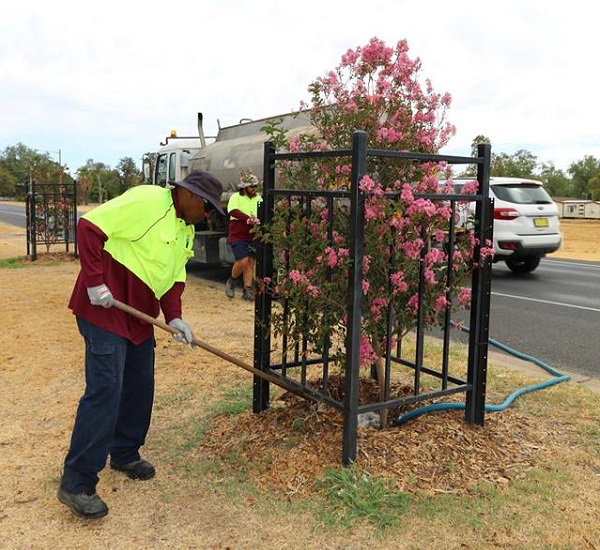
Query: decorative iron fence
{"x":291,"y":361}
{"x":51,"y":212}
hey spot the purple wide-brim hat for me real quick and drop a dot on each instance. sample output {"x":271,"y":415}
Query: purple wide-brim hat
{"x":205,"y":185}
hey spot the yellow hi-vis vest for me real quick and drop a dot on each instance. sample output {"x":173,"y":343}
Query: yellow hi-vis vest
{"x":146,"y":236}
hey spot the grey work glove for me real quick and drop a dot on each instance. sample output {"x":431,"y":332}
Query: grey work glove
{"x":184,"y":335}
{"x":100,"y":296}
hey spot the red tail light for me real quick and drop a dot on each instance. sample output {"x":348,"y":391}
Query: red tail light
{"x":505,"y":214}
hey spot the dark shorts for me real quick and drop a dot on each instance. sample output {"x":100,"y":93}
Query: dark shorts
{"x":244,"y":249}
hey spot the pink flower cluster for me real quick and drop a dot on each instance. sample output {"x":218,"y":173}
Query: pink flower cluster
{"x":377,"y":89}
{"x":333,"y":256}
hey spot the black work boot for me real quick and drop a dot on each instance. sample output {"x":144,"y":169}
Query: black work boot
{"x":139,"y":469}
{"x":84,"y":505}
{"x":248,"y":294}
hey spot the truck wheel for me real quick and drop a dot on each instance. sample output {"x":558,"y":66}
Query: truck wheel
{"x":523,"y":265}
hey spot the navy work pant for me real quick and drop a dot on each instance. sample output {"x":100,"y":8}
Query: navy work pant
{"x":114,"y":413}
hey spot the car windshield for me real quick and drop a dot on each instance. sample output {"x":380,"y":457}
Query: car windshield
{"x":522,"y":193}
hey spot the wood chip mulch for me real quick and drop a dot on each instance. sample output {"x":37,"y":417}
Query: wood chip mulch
{"x":44,"y":257}
{"x":289,"y":447}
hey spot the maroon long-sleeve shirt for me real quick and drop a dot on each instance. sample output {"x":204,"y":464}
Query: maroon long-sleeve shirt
{"x":98,"y":267}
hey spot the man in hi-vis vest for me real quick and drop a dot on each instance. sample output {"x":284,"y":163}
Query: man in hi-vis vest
{"x":134,"y":248}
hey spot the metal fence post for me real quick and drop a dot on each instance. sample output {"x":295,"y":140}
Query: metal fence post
{"x":262,"y":309}
{"x":33,"y":227}
{"x":356,"y":231}
{"x":480,"y":300}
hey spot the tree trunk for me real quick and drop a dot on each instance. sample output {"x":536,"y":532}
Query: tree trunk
{"x":380,"y":369}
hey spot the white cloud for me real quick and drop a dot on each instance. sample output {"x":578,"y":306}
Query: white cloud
{"x":110,"y":81}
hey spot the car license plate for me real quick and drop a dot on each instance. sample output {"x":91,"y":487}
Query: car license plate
{"x":540,"y":222}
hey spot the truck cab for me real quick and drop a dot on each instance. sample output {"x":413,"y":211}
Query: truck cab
{"x":172,"y":164}
{"x":173,"y":159}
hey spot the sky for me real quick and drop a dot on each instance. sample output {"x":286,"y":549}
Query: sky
{"x":109,"y":80}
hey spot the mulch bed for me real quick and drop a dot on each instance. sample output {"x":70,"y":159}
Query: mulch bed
{"x":48,"y":257}
{"x":289,"y":447}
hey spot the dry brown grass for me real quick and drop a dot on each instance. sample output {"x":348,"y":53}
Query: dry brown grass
{"x":581,"y":240}
{"x":242,"y":485}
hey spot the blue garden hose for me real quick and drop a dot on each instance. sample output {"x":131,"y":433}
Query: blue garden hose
{"x":558,"y":378}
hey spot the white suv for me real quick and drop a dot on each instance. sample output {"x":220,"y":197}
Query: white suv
{"x":526,"y":222}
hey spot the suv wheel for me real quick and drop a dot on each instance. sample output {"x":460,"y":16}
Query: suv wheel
{"x":523,"y":265}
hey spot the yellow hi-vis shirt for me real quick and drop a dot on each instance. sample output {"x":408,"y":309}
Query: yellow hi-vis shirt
{"x":247,"y":205}
{"x":146,"y":236}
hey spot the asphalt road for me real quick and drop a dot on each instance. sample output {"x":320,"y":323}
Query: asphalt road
{"x":13,"y":215}
{"x":552,"y":314}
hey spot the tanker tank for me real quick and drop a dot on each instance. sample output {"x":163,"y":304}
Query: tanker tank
{"x":241,"y":147}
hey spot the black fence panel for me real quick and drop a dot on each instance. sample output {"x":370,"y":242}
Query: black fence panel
{"x":291,"y":359}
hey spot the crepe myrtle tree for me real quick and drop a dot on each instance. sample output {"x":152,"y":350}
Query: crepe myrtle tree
{"x":377,"y":89}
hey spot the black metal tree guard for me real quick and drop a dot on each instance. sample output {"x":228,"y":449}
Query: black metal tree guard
{"x":51,"y":212}
{"x":475,"y":384}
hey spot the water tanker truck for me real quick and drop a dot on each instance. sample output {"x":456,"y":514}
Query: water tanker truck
{"x":234,"y":149}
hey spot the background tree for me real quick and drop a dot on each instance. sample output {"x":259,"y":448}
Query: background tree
{"x":555,"y":181}
{"x":581,"y":173}
{"x":594,"y":188}
{"x":477,"y":141}
{"x":84,"y":185}
{"x":470,"y":171}
{"x":129,"y":174}
{"x":102,"y":182}
{"x":521,"y":164}
{"x":27,"y":165}
{"x":24,"y":164}
{"x":8,"y":182}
